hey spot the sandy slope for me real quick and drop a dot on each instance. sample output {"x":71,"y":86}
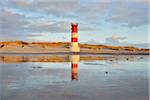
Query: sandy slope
{"x":61,"y":47}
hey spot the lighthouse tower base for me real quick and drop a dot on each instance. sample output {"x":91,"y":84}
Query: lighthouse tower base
{"x":74,"y":47}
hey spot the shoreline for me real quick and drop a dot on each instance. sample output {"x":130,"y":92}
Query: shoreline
{"x":67,"y":58}
{"x":73,"y":53}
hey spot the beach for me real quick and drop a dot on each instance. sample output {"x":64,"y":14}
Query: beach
{"x":98,"y":77}
{"x":20,"y":47}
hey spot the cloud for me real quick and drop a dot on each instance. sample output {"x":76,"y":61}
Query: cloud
{"x":12,"y":22}
{"x":115,"y":40}
{"x":121,"y":41}
{"x":22,"y":18}
{"x":92,"y":41}
{"x":51,"y":27}
{"x":129,"y":14}
{"x":54,"y":7}
{"x":21,"y":3}
{"x":33,"y":12}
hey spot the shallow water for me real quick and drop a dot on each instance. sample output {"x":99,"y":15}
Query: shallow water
{"x":74,"y":77}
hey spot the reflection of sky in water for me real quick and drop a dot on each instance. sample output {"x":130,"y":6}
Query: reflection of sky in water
{"x":124,"y":77}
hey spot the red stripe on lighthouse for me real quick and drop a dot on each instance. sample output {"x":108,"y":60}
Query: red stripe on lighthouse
{"x":74,"y":27}
{"x":74,"y":40}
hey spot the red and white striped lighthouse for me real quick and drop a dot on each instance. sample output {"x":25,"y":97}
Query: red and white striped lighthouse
{"x":74,"y":38}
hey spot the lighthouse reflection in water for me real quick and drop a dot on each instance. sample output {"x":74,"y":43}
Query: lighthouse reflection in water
{"x":50,"y":77}
{"x":74,"y":66}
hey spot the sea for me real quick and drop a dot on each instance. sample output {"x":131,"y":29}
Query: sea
{"x":74,"y":77}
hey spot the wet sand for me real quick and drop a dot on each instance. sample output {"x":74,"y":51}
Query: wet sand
{"x":64,"y":58}
{"x":99,"y":78}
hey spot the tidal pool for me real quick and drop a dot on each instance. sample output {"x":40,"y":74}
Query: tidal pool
{"x":74,"y":77}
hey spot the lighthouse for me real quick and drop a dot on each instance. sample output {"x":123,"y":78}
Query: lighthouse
{"x":74,"y":38}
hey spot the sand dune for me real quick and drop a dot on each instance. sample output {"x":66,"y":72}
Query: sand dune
{"x":56,"y":47}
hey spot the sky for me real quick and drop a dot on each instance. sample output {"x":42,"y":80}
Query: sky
{"x":115,"y":22}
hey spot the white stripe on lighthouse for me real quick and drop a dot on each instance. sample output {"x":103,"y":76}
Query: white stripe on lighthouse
{"x":75,"y":35}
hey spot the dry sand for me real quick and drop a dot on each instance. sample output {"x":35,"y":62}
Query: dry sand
{"x":62,"y":47}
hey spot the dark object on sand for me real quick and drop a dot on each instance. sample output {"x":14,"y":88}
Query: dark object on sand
{"x":127,"y":58}
{"x":141,"y":57}
{"x":36,"y":67}
{"x":2,"y":46}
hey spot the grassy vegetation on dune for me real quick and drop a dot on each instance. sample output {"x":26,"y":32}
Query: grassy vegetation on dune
{"x":67,"y":45}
